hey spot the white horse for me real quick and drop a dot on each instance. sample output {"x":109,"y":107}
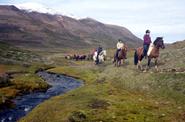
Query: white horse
{"x":101,"y":56}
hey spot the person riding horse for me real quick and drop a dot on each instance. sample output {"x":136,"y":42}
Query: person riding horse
{"x":120,"y":54}
{"x":99,"y":50}
{"x":119,"y":45}
{"x":146,"y":43}
{"x":153,"y":53}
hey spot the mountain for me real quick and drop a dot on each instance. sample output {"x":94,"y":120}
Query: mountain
{"x":42,"y":30}
{"x":178,"y":45}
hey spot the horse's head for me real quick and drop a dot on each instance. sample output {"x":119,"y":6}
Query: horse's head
{"x":104,"y":52}
{"x":159,"y":43}
{"x":125,"y":48}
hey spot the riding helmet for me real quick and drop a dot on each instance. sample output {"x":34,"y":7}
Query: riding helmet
{"x":119,"y":40}
{"x":147,"y":31}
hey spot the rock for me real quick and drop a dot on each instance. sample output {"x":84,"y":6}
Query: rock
{"x":4,"y":79}
{"x":77,"y":116}
{"x":98,"y":104}
{"x":173,"y":70}
{"x":27,"y":109}
{"x":10,"y":118}
{"x":179,"y":107}
{"x":163,"y":115}
{"x":140,"y":99}
{"x":157,"y":103}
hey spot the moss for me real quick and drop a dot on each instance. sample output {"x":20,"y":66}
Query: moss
{"x":120,"y":97}
{"x":83,"y":73}
{"x":24,"y":80}
{"x":170,"y":86}
{"x":6,"y":94}
{"x":29,"y":82}
{"x":9,"y":92}
{"x":98,"y":104}
{"x":112,"y":94}
{"x":77,"y":116}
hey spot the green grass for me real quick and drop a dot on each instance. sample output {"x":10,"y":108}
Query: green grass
{"x":170,"y":86}
{"x":109,"y":94}
{"x":173,"y":56}
{"x":13,"y":55}
{"x":23,"y":64}
{"x":28,"y":82}
{"x":24,"y":80}
{"x":114,"y":94}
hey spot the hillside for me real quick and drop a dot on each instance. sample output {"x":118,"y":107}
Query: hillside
{"x":17,"y":73}
{"x":123,"y":94}
{"x":13,"y":55}
{"x":109,"y":93}
{"x":38,"y":30}
{"x":173,"y":56}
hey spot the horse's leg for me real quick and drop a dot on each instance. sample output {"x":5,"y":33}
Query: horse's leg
{"x":139,"y":65}
{"x":156,"y":62}
{"x":99,"y":59}
{"x":102,"y":59}
{"x":149,"y":60}
{"x":123,"y":61}
{"x":115,"y":62}
{"x":119,"y":63}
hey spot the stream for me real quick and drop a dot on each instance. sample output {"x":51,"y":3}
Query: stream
{"x":24,"y":104}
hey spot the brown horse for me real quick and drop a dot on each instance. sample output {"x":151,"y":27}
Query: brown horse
{"x":154,"y":53}
{"x":121,"y":56}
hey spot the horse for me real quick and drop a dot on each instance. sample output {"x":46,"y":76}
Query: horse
{"x":68,"y":57}
{"x":82,"y":57}
{"x":76,"y":57}
{"x":101,"y":56}
{"x":79,"y":57}
{"x":153,"y":52}
{"x":121,"y":56}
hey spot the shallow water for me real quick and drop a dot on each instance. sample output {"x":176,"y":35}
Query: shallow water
{"x":24,"y":104}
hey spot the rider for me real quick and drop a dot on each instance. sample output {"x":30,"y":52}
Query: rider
{"x":119,"y":45}
{"x":146,"y":43}
{"x":99,"y":50}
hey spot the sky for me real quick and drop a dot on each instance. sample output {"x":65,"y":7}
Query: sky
{"x":164,"y":18}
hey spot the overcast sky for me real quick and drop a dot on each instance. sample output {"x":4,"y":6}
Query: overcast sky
{"x":163,"y":17}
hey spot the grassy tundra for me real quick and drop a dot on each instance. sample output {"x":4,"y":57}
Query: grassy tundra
{"x":17,"y":73}
{"x":112,"y":94}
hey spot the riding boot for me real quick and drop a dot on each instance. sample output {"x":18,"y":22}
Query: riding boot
{"x":97,"y":60}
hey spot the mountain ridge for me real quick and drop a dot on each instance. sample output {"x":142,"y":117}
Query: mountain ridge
{"x":41,"y":30}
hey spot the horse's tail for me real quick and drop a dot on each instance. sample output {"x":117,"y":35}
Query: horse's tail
{"x":135,"y":58}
